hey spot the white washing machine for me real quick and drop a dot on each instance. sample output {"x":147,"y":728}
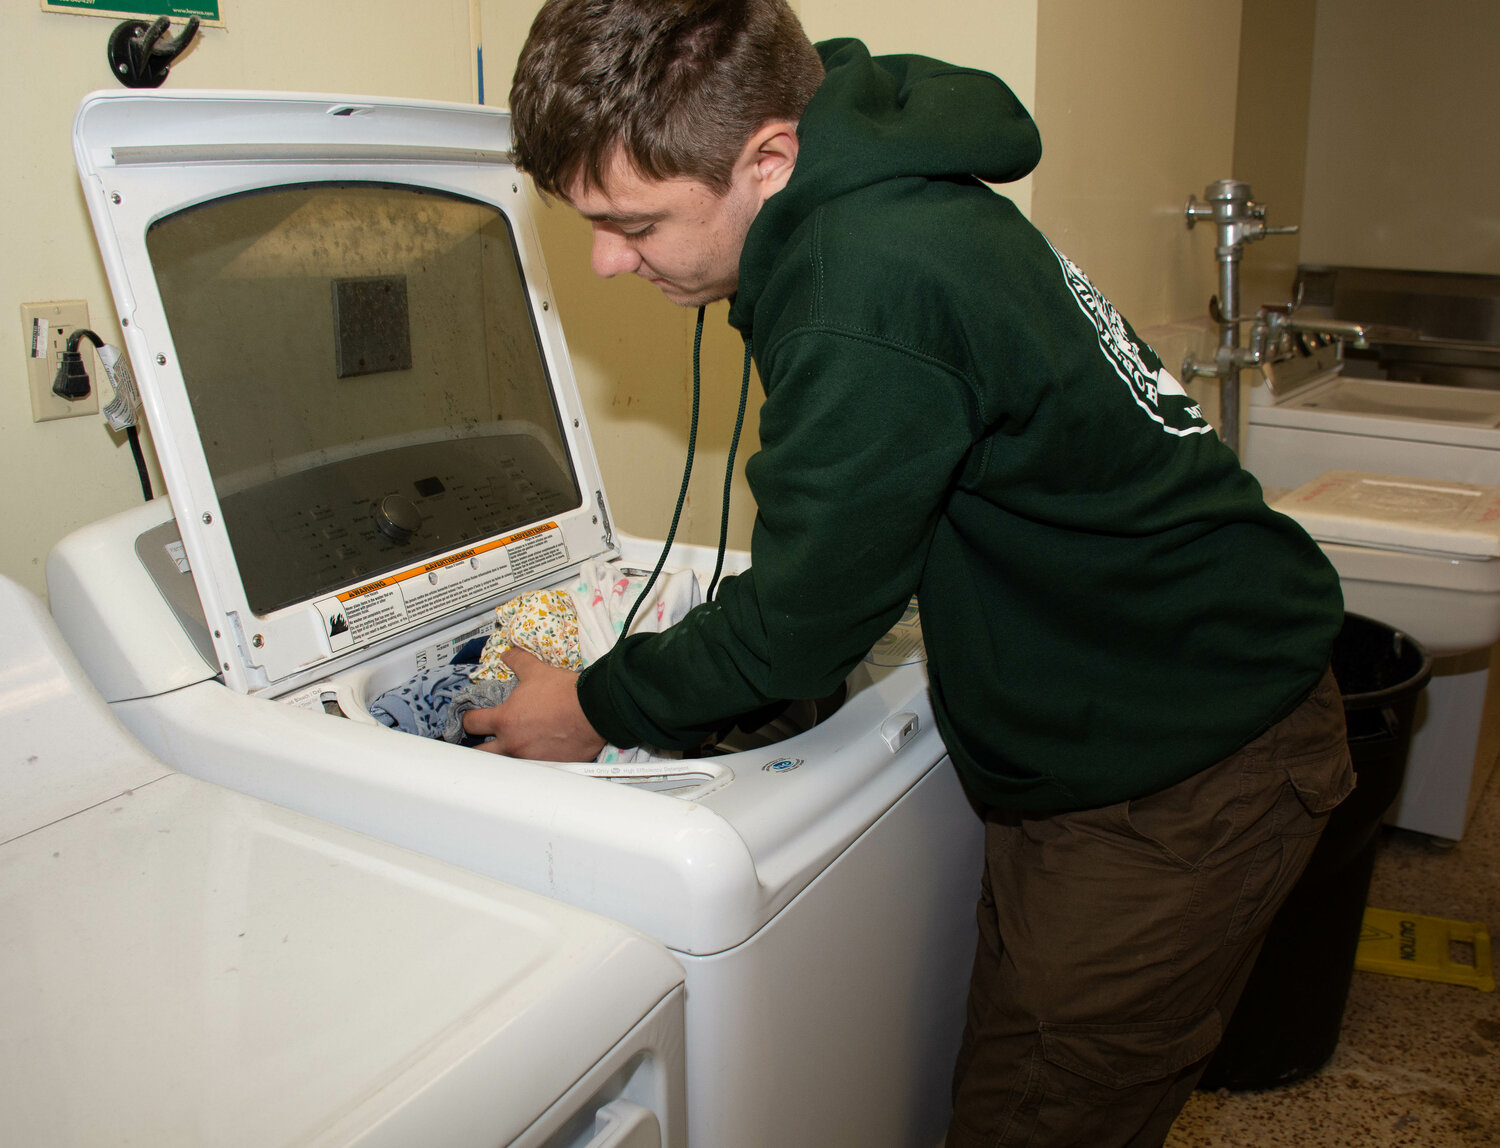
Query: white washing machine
{"x":185,"y":965}
{"x":1311,"y":419}
{"x":362,"y":401}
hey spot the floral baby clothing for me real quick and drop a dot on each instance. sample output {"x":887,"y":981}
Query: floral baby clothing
{"x":543,"y":623}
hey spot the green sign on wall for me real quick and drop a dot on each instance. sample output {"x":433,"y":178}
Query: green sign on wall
{"x":207,"y":11}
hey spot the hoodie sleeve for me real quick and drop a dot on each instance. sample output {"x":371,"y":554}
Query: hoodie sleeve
{"x":861,"y":442}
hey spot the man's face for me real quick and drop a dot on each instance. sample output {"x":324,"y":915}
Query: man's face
{"x":676,"y":233}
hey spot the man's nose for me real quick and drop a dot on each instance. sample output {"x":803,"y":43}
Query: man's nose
{"x":612,"y":255}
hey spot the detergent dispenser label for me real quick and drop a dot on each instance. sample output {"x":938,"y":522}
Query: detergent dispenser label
{"x":902,"y":645}
{"x":409,"y":597}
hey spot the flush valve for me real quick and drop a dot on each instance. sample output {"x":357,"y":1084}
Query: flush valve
{"x":1239,"y":220}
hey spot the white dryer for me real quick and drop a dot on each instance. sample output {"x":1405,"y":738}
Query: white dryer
{"x":361,"y":396}
{"x":1311,"y":419}
{"x":185,"y":965}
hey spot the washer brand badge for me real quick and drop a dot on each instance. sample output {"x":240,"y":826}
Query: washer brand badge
{"x":783,"y":765}
{"x":1156,"y":392}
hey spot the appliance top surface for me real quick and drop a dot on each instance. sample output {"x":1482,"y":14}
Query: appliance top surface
{"x":285,"y":975}
{"x":362,"y":401}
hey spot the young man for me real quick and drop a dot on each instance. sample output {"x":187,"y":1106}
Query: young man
{"x":1127,"y":649}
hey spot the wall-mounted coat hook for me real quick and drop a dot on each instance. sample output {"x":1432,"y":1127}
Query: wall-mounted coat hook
{"x":139,"y":57}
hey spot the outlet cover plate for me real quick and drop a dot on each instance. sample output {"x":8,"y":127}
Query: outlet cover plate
{"x":59,"y":320}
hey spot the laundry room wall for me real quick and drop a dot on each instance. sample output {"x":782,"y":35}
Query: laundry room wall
{"x":1140,"y":106}
{"x":1270,"y":138}
{"x":1137,"y":105}
{"x":1403,"y":148}
{"x":1374,"y":126}
{"x":66,"y":473}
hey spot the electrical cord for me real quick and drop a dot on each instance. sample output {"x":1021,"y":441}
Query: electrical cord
{"x":72,"y":382}
{"x":140,"y":461}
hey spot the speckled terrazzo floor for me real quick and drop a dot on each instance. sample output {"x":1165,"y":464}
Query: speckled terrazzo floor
{"x":1418,"y":1063}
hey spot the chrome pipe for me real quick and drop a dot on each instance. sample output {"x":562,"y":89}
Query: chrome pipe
{"x":1238,"y":220}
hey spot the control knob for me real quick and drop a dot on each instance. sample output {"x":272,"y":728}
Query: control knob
{"x":397,"y":517}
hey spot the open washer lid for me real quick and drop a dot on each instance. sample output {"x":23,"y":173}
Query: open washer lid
{"x":356,"y":384}
{"x":1451,"y":519}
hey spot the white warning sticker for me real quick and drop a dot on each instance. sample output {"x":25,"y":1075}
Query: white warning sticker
{"x":406,"y":598}
{"x":311,"y":697}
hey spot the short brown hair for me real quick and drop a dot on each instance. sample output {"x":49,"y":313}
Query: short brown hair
{"x":678,"y":86}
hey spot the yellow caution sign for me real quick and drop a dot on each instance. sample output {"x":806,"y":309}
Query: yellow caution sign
{"x":1427,"y":948}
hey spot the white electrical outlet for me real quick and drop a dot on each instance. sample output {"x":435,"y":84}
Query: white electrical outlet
{"x":45,"y":328}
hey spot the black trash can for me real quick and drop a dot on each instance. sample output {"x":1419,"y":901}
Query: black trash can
{"x":1287,"y":1022}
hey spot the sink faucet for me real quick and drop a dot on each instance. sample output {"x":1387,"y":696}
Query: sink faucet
{"x":1239,"y":220}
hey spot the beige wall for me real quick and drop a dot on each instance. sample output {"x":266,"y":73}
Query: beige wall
{"x":63,"y":474}
{"x":1270,"y":139}
{"x":1403,"y":147}
{"x":997,"y":35}
{"x":1136,"y":107}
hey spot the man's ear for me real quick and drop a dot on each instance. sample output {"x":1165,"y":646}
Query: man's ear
{"x":769,"y":157}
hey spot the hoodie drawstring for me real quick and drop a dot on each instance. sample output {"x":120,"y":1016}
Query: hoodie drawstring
{"x":687,"y":472}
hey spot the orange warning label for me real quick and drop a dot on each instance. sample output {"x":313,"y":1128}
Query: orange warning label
{"x":430,"y":589}
{"x":450,"y":560}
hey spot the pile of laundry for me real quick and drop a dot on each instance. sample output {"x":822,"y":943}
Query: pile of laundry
{"x":569,"y":628}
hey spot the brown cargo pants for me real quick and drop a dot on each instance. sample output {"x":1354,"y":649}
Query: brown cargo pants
{"x":1114,"y":943}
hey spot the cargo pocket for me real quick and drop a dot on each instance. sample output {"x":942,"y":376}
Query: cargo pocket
{"x":1311,"y":749}
{"x":1126,"y":1055}
{"x":1323,"y":783}
{"x":1311,"y":790}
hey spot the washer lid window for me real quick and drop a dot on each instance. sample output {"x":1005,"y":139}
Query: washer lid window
{"x":364,"y":410}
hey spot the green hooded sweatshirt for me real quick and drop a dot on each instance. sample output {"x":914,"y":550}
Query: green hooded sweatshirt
{"x":953,"y":411}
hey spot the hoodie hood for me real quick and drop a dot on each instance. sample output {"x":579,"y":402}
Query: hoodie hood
{"x":877,"y":118}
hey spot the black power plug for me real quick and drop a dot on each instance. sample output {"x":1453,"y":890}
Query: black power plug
{"x":72,"y":380}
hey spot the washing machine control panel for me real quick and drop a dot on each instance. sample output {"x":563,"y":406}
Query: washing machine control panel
{"x":306,"y":533}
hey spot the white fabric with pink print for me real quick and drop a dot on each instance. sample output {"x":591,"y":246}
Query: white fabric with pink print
{"x":572,"y":627}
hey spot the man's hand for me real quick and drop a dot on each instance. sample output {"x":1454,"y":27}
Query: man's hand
{"x":541,"y":719}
